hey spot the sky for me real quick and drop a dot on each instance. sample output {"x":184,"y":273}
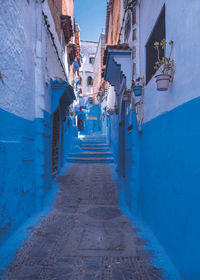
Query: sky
{"x":91,"y":17}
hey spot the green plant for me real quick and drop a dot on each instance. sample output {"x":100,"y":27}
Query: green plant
{"x":164,"y":64}
{"x":110,"y":111}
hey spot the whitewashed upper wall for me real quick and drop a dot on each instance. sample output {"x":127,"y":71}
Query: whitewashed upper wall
{"x":17,"y":33}
{"x":18,"y":25}
{"x":182,"y":26}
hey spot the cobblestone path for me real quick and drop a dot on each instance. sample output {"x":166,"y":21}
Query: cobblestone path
{"x":85,"y":237}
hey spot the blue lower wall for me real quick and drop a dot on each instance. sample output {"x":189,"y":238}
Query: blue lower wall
{"x":162,"y":182}
{"x":26,"y":166}
{"x":113,"y":134}
{"x":169,"y":194}
{"x":17,"y":184}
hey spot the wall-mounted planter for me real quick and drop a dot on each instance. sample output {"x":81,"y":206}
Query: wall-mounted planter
{"x":137,"y":90}
{"x":163,"y":81}
{"x":127,"y":97}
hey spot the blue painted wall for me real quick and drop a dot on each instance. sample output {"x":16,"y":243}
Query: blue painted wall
{"x":113,"y":134}
{"x":169,"y":196}
{"x":163,"y":178}
{"x":18,"y":185}
{"x":71,"y":141}
{"x":92,"y":126}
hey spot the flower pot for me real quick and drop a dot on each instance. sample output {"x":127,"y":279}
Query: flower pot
{"x":126,"y":97}
{"x":163,"y":81}
{"x":137,"y":90}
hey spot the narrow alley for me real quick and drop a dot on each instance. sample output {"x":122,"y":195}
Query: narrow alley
{"x":85,"y":237}
{"x":99,"y":140}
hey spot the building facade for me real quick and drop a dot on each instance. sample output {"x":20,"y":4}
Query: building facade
{"x":88,"y":52}
{"x":87,"y":111}
{"x":37,"y":66}
{"x":155,"y":136}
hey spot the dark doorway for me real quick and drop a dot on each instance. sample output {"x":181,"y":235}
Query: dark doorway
{"x":55,"y":143}
{"x":122,"y":143}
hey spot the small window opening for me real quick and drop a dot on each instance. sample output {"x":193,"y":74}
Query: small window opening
{"x":89,"y":81}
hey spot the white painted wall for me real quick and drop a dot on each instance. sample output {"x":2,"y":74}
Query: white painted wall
{"x":182,"y":26}
{"x":28,"y":59}
{"x":87,"y":69}
{"x":17,"y":33}
{"x":111,"y":97}
{"x":97,"y":65}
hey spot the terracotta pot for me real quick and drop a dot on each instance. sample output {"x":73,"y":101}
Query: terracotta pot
{"x":126,"y":97}
{"x":163,"y":81}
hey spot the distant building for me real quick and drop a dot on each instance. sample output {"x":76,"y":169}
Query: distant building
{"x":88,"y":52}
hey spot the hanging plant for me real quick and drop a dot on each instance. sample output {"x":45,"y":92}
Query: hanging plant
{"x":165,"y":65}
{"x":138,"y":86}
{"x":127,"y":95}
{"x":110,"y":111}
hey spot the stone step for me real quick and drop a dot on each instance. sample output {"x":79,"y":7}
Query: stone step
{"x":93,"y":142}
{"x":91,"y":154}
{"x":95,"y":149}
{"x":94,"y":145}
{"x":90,"y":160}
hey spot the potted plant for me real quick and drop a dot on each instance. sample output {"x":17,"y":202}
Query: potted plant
{"x":164,"y":64}
{"x":137,"y":86}
{"x":127,"y":95}
{"x":110,"y":111}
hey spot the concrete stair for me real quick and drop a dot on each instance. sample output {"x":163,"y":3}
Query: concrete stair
{"x":94,"y":150}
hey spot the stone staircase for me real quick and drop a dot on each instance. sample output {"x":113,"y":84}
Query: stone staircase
{"x":93,"y":150}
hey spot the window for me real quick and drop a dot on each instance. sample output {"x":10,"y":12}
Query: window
{"x":89,"y":81}
{"x":91,"y":60}
{"x":157,"y":34}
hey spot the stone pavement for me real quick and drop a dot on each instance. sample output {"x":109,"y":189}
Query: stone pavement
{"x":85,"y":237}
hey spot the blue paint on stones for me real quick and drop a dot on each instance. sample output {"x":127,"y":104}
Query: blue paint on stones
{"x":156,"y":251}
{"x":13,"y":243}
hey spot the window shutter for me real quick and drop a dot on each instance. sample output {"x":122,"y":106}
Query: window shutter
{"x":157,"y":35}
